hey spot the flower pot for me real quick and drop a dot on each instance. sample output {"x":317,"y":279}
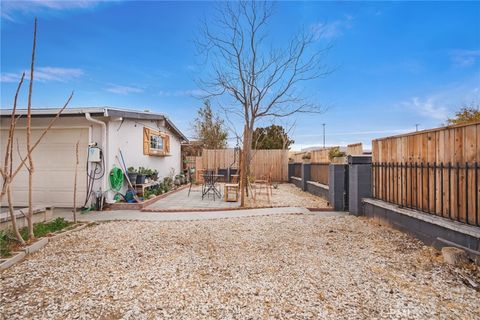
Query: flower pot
{"x":132,"y":176}
{"x":141,"y":178}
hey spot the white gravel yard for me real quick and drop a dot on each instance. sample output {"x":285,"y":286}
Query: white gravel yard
{"x":287,"y":195}
{"x":290,"y":266}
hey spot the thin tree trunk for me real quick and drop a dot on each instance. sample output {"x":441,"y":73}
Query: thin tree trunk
{"x":29,"y":138}
{"x":75,"y":185}
{"x":245,"y":165}
{"x":12,"y":216}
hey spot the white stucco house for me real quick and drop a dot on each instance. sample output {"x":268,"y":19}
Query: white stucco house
{"x":146,"y":139}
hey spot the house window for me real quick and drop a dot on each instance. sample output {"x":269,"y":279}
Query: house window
{"x":155,"y":143}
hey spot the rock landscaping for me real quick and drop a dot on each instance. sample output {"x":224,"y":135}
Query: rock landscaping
{"x":290,"y":266}
{"x":287,"y":195}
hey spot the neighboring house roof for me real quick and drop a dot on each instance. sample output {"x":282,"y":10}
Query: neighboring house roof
{"x":99,"y":112}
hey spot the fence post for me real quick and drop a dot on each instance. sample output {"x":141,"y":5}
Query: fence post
{"x":305,"y":175}
{"x":337,"y":174}
{"x":360,"y":182}
{"x":291,"y":170}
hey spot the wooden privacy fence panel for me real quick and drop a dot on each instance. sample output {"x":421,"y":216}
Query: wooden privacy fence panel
{"x":297,"y":156}
{"x":434,"y":171}
{"x":319,"y":172}
{"x":263,"y":162}
{"x":321,"y":156}
{"x":355,"y":149}
{"x":220,"y":158}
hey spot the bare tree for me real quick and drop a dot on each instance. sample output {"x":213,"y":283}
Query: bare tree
{"x":259,"y":81}
{"x":7,"y":172}
{"x":29,"y":136}
{"x":75,"y":183}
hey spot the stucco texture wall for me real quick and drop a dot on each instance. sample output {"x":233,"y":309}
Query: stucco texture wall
{"x":128,"y":137}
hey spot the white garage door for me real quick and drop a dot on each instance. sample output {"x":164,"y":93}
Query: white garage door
{"x":54,"y":163}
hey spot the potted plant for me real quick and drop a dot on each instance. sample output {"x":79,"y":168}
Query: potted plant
{"x":141,"y":175}
{"x":183,"y":178}
{"x":132,"y":175}
{"x":154,"y":174}
{"x":177,"y":180}
{"x":337,"y":156}
{"x":306,"y":157}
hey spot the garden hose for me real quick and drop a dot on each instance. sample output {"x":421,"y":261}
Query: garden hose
{"x":116,"y":179}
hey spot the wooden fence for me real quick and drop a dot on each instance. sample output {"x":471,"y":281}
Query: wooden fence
{"x":263,"y":162}
{"x":355,"y":149}
{"x":435,"y":171}
{"x":319,"y":172}
{"x":297,"y":156}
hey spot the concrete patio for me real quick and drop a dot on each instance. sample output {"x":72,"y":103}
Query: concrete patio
{"x":182,"y":200}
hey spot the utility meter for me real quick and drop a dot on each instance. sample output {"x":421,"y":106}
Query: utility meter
{"x":94,"y":154}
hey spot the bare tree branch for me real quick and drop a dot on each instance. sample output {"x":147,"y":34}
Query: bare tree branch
{"x":262,"y":83}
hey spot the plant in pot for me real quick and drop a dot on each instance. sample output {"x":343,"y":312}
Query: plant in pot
{"x":183,"y":178}
{"x":141,"y":175}
{"x":132,"y":175}
{"x":177,"y":180}
{"x":306,"y":157}
{"x":154,"y":174}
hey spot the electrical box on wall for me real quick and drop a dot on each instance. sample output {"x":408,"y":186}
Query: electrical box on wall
{"x":94,"y":154}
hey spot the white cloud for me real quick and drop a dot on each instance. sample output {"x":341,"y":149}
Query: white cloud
{"x":428,"y":107}
{"x":330,"y":30}
{"x":181,"y":93}
{"x":44,"y":74}
{"x":464,"y":58}
{"x":445,"y":101}
{"x":11,"y":8}
{"x":114,"y":88}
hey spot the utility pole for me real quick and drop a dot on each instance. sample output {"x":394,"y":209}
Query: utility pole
{"x":416,"y":126}
{"x":323,"y":124}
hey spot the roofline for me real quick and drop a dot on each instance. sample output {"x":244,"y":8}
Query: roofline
{"x":97,"y":111}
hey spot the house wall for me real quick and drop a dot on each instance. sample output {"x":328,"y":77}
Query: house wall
{"x":54,"y":160}
{"x":128,"y":137}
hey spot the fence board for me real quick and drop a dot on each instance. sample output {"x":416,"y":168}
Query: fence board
{"x":433,"y":171}
{"x":355,"y":149}
{"x":319,"y":172}
{"x":263,"y":163}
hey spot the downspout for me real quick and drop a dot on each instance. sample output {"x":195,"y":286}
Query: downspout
{"x":104,"y":147}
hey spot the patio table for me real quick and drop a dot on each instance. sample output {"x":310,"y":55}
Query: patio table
{"x":211,"y":181}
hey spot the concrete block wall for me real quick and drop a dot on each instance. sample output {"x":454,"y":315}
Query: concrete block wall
{"x":359,"y":182}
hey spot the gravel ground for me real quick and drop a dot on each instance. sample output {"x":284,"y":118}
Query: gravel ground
{"x":291,"y":266}
{"x":287,"y":195}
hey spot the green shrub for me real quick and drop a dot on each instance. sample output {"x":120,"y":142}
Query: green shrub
{"x":41,"y":229}
{"x":335,"y":152}
{"x":4,"y":244}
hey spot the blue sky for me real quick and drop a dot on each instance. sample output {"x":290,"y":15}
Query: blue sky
{"x":397,"y":64}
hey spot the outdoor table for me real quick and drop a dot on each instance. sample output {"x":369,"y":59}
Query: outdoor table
{"x":211,"y":181}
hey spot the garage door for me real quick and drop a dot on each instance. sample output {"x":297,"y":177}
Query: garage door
{"x":54,"y":161}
